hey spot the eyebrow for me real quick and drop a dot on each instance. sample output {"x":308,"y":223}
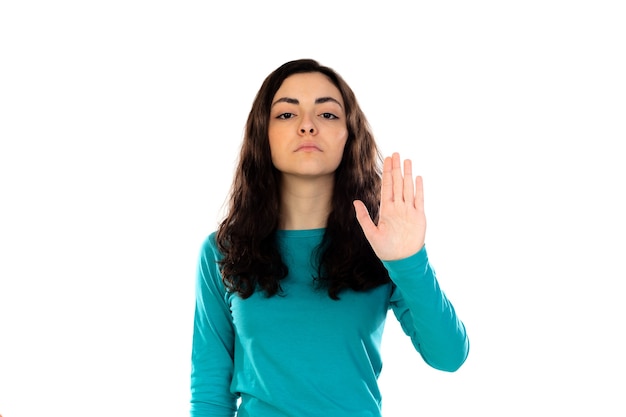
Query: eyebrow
{"x":317,"y":101}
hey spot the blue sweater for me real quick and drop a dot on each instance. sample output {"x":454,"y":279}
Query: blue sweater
{"x":303,"y":354}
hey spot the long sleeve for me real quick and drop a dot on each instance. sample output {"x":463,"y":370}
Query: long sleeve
{"x":213,"y":341}
{"x":425,"y":313}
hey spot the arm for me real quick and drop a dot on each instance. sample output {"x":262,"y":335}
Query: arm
{"x":425,"y":313}
{"x":213,"y":341}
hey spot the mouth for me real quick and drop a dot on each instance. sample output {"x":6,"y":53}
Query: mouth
{"x":308,"y":147}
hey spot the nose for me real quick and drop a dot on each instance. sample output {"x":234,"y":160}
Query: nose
{"x":307,"y":126}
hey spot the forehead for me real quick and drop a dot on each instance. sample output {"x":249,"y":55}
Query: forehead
{"x":308,"y":85}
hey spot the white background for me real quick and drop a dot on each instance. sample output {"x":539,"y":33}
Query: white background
{"x":120,"y":123}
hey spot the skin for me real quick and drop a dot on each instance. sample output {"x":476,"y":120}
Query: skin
{"x":307,"y":135}
{"x":401,"y":228}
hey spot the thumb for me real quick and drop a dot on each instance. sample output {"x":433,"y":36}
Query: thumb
{"x":364,"y":219}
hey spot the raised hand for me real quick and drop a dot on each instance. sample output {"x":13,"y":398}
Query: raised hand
{"x":401,"y":228}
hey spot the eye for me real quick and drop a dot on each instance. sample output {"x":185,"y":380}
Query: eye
{"x":285,"y":116}
{"x":328,"y":116}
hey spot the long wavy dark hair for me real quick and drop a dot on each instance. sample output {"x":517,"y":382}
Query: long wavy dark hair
{"x":246,"y":236}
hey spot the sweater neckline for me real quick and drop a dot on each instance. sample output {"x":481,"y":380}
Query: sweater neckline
{"x":301,"y":232}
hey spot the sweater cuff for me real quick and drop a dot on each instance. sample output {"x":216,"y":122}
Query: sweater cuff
{"x":408,"y":263}
{"x":413,"y":266}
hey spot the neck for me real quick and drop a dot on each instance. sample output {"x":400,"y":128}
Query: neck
{"x":305,"y":204}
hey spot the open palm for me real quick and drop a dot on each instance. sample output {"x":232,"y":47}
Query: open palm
{"x":401,"y":228}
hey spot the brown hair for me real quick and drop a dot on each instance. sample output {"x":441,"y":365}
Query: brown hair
{"x":246,"y":236}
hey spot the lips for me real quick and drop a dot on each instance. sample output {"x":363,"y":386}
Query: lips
{"x":308,"y":147}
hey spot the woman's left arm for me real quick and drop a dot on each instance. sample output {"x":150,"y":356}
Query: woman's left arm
{"x":398,"y":240}
{"x":425,"y":313}
{"x":401,"y":227}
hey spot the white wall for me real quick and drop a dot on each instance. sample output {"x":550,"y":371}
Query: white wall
{"x":120,"y":123}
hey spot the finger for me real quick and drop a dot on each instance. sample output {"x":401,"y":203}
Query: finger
{"x":419,"y":193}
{"x":364,"y":219}
{"x":386,"y":192}
{"x":397,"y":177}
{"x":409,"y":190}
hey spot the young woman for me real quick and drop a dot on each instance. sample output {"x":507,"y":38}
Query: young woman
{"x":317,"y":245}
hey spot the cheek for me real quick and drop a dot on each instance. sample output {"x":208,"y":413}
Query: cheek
{"x":273,"y":139}
{"x":342,"y":140}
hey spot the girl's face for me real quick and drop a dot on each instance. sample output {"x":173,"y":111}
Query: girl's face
{"x":307,"y":128}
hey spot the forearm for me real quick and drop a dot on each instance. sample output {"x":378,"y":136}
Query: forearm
{"x":426,"y":314}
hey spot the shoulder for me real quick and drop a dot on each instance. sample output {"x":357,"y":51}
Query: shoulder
{"x":209,"y":248}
